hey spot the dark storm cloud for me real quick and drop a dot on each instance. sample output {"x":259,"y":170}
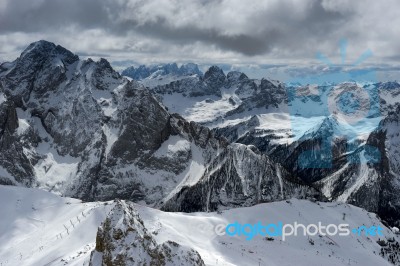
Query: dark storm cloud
{"x":246,"y":44}
{"x":261,"y":32}
{"x":269,"y":27}
{"x":261,"y":36}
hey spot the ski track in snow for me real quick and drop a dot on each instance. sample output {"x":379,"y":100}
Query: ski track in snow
{"x":41,"y":228}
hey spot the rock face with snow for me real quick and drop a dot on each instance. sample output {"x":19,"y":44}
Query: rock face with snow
{"x":123,"y":240}
{"x":239,"y":176}
{"x":79,"y":129}
{"x":380,"y":190}
{"x":15,"y":166}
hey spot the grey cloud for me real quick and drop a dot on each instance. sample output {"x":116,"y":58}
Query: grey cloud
{"x":270,"y":32}
{"x":271,"y":26}
{"x":267,"y":29}
{"x":34,"y":16}
{"x":243,"y":43}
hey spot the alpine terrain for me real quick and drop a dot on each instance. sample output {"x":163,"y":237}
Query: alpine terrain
{"x":140,"y":168}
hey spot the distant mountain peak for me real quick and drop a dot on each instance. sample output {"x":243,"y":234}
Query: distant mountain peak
{"x":389,"y":85}
{"x":215,"y":77}
{"x":236,"y":75}
{"x":324,"y":129}
{"x":214,"y":71}
{"x":156,"y":71}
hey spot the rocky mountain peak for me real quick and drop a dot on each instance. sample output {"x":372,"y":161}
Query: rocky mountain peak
{"x":214,"y":73}
{"x":267,"y":84}
{"x":329,"y":122}
{"x":190,"y":69}
{"x":325,"y":129}
{"x":104,"y":63}
{"x":123,"y":239}
{"x":215,"y":78}
{"x":39,"y":46}
{"x":171,"y":67}
{"x":236,"y":76}
{"x":389,"y":85}
{"x":393,"y":115}
{"x":41,"y":68}
{"x":47,"y":49}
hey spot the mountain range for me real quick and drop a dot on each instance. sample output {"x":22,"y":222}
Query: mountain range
{"x":359,"y":163}
{"x":175,"y":140}
{"x":162,"y":73}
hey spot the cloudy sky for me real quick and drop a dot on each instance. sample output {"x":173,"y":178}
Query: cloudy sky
{"x":268,"y":38}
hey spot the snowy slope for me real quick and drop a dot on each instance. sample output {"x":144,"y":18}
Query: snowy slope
{"x":32,"y":221}
{"x":196,"y":230}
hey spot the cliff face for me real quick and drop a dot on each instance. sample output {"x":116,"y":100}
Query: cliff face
{"x":239,"y":176}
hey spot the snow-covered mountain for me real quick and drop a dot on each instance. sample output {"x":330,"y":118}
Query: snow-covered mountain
{"x":216,"y":97}
{"x":40,"y":228}
{"x":299,"y":127}
{"x":186,"y":143}
{"x":362,"y":171}
{"x":78,"y":128}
